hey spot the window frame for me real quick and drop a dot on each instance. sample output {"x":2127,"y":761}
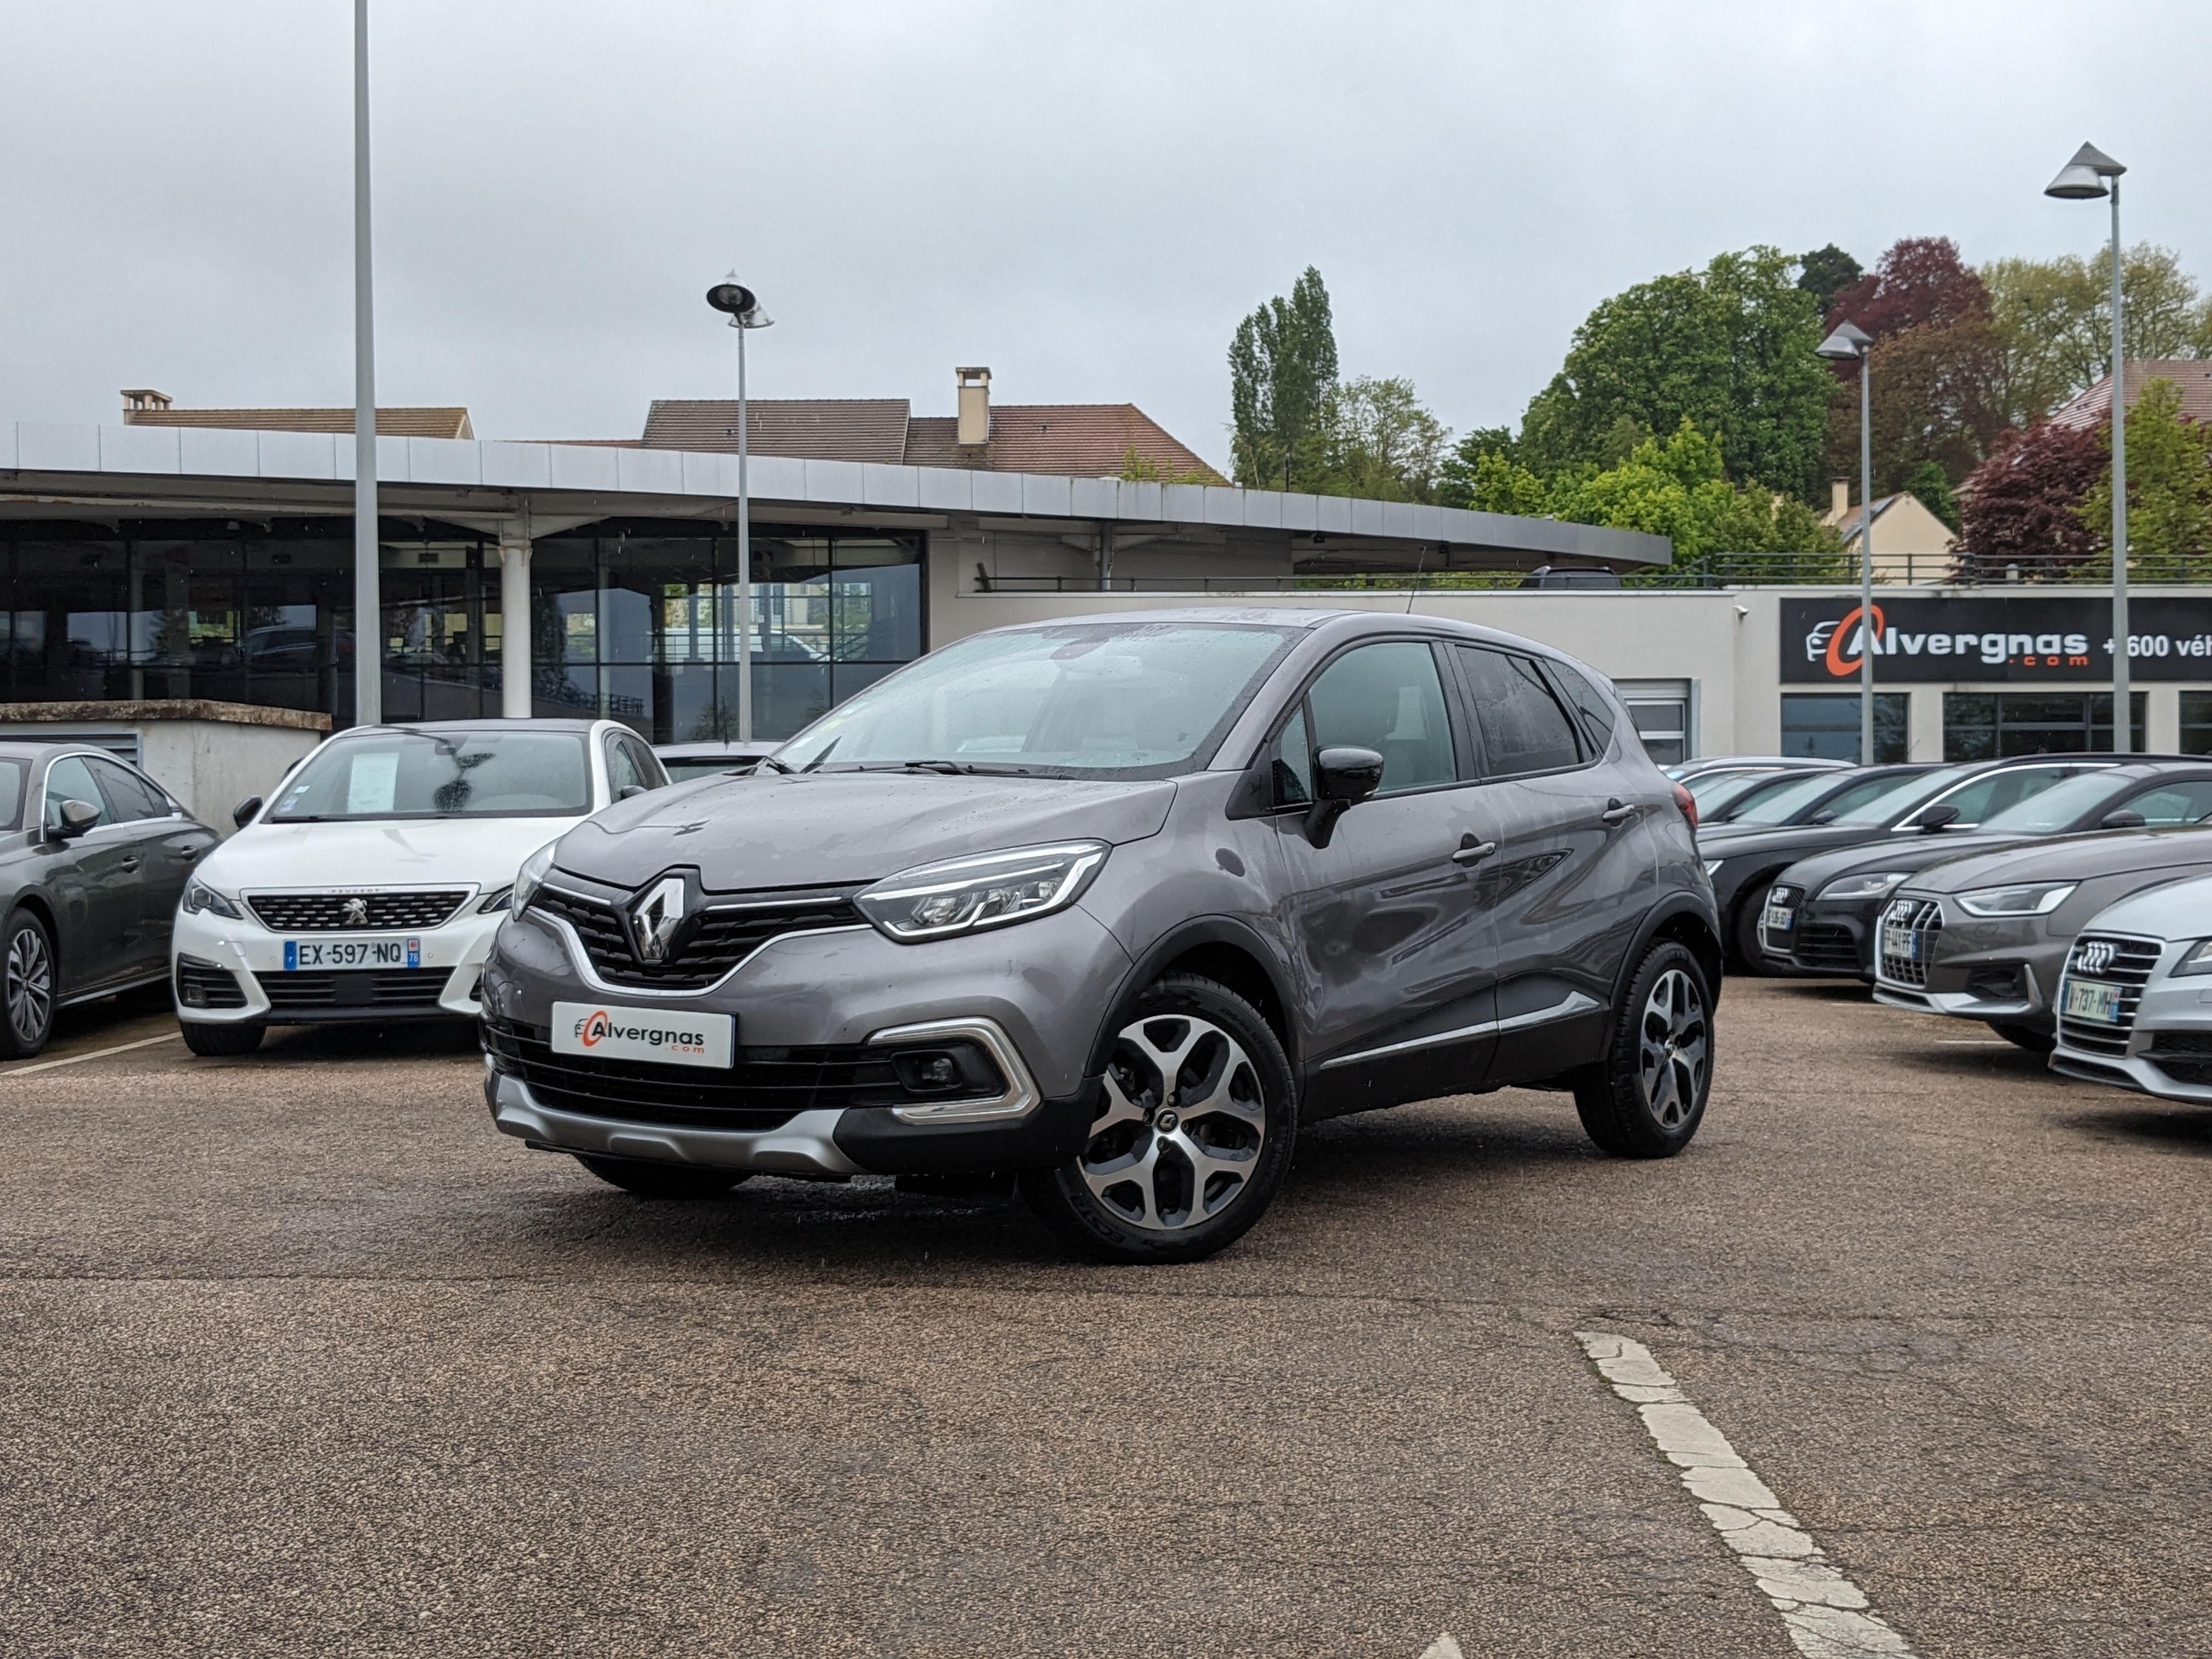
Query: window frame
{"x":1584,"y":759}
{"x":1465,"y":755}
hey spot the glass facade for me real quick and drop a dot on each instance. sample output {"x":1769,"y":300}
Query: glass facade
{"x":1824,"y":725}
{"x":1988,"y":725}
{"x":637,"y":620}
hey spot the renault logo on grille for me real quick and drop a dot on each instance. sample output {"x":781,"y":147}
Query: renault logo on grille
{"x":2096,"y":957}
{"x":655,"y":918}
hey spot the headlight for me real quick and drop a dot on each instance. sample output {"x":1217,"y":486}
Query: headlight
{"x":2032,"y":898}
{"x":935,"y":901}
{"x":1713,"y":865}
{"x":529,"y":878}
{"x":1874,"y":885}
{"x":2199,"y":959}
{"x":199,"y":896}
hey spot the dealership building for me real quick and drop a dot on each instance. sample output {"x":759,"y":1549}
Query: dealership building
{"x":204,"y":559}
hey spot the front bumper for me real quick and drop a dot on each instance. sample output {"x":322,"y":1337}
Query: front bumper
{"x":2164,"y":1050}
{"x":442,"y":986}
{"x":1825,"y":939}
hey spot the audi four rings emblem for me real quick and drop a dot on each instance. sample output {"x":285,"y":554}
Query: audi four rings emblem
{"x":2097,"y":957}
{"x":655,"y":918}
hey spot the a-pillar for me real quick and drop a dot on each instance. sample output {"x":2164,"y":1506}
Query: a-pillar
{"x":514,"y":675}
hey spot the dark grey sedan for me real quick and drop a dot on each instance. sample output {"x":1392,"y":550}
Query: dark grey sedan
{"x":94,"y":856}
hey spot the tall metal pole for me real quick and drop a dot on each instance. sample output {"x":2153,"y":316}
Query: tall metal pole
{"x":2123,"y":725}
{"x":1867,"y":638}
{"x":367,"y":608}
{"x":744,"y":558}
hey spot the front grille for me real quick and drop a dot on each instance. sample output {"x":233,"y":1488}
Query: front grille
{"x":327,"y":913}
{"x":1921,"y":919}
{"x":727,"y":932}
{"x":203,"y":985}
{"x":1827,"y":947}
{"x":763,"y":1089}
{"x":396,"y":989}
{"x":2107,"y":960}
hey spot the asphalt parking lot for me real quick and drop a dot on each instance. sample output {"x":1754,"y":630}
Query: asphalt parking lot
{"x":297,"y":1356}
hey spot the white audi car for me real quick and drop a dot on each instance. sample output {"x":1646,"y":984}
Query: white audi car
{"x":370,"y":886}
{"x":2135,"y":1001}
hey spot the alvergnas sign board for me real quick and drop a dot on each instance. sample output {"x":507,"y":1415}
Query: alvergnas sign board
{"x":2026,"y":641}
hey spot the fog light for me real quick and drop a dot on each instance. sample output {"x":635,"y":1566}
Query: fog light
{"x":195,"y":995}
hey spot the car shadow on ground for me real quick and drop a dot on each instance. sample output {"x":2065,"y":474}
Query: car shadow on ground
{"x":1817,"y":990}
{"x":2187,"y":1128}
{"x":441,"y":1039}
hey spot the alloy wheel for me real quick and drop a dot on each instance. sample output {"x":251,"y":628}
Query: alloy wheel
{"x":1184,"y":1122}
{"x":30,"y":987}
{"x":1672,"y":1044}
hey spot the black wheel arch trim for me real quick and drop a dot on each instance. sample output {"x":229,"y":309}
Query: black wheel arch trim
{"x":1185,"y":937}
{"x":1713,"y":958}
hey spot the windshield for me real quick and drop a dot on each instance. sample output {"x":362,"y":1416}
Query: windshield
{"x":1078,"y":699}
{"x":407,"y":774}
{"x":1709,"y":787}
{"x":1912,"y":793}
{"x":2053,"y":809}
{"x":1786,"y":804}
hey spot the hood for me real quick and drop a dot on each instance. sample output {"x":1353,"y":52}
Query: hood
{"x":397,"y":853}
{"x":834,"y":829}
{"x":2182,"y":910}
{"x":2073,"y":858}
{"x":1911,"y":851}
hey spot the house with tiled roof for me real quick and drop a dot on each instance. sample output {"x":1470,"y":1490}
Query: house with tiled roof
{"x":143,"y":406}
{"x":1909,"y":543}
{"x":2191,"y":377}
{"x":1075,"y":440}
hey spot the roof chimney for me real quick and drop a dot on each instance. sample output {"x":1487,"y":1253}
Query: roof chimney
{"x":1840,"y":499}
{"x":143,"y":397}
{"x":974,"y":385}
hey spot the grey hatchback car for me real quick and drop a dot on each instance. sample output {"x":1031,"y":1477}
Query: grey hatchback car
{"x":1110,"y":908}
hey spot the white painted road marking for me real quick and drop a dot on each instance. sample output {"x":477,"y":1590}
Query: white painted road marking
{"x":97,"y":1053}
{"x":1443,"y":1647}
{"x":1826,"y":1613}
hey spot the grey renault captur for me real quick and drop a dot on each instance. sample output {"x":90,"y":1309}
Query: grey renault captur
{"x":1112,"y":906}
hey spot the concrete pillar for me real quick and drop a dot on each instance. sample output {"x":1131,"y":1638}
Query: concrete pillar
{"x":514,"y":619}
{"x":1925,"y":724}
{"x":2161,"y":718}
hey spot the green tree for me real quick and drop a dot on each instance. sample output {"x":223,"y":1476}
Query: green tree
{"x":1377,"y":440}
{"x":1930,"y":483}
{"x":1282,"y":367}
{"x":1826,"y":272}
{"x":2169,"y":493}
{"x":1455,"y":478}
{"x":2053,"y":317}
{"x":1729,"y":348}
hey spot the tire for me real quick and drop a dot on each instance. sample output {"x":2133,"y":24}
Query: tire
{"x":1646,"y":1098}
{"x":214,"y":1042}
{"x":2039,"y":1044}
{"x":1195,"y":1136}
{"x":649,"y":1180}
{"x":1751,"y":956}
{"x":27,"y":987}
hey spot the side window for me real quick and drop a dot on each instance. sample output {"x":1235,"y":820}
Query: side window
{"x":129,"y":796}
{"x":649,"y":768}
{"x":1591,"y":705}
{"x":1523,"y":727}
{"x":1389,"y":698}
{"x":71,"y":779}
{"x":2173,"y":803}
{"x":622,"y":769}
{"x":1291,"y":765}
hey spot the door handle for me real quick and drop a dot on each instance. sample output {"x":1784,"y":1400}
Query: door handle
{"x":1472,"y":851}
{"x":129,"y":864}
{"x":1617,"y":811}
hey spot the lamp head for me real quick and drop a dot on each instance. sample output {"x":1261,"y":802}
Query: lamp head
{"x":1847,"y":345}
{"x":2082,"y":179}
{"x":733,"y":297}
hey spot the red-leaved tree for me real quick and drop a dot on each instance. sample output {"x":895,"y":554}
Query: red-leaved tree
{"x":2020,"y":506}
{"x":1920,"y":282}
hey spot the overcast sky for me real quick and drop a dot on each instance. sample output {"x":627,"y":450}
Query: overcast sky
{"x":1085,"y":198}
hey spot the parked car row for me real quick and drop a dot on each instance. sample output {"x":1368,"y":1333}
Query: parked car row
{"x":2065,"y":901}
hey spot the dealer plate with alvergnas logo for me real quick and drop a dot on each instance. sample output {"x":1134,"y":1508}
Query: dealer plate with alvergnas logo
{"x":604,"y":1031}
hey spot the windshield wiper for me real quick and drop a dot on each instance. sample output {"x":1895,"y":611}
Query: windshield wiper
{"x":770,"y":760}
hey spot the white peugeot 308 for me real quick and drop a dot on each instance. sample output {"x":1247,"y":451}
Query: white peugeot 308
{"x":370,"y":887}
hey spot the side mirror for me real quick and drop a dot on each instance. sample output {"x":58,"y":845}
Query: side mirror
{"x":1937,"y":818}
{"x":242,"y":814}
{"x":1344,"y":777}
{"x":72,"y":819}
{"x":2125,"y":817}
{"x":1826,"y":814}
{"x":631,"y":792}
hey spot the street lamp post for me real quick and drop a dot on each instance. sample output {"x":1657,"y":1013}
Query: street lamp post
{"x":744,"y":314}
{"x":2090,"y":174}
{"x":1848,"y":342}
{"x":368,"y":605}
